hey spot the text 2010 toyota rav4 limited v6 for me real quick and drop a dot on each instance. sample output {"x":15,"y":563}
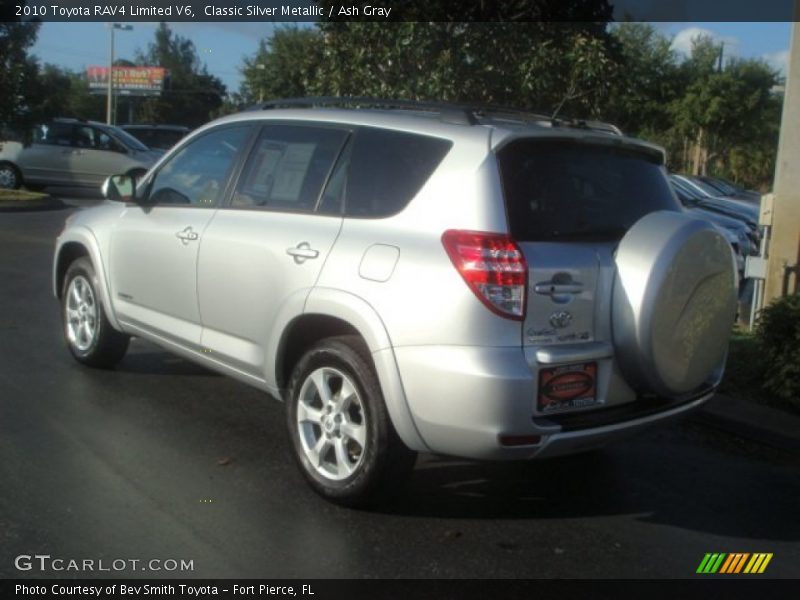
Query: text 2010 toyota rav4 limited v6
{"x":411,"y":279}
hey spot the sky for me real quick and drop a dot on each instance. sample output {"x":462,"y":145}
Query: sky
{"x":222,"y":46}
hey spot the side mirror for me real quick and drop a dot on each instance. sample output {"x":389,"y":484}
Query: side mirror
{"x":119,"y":187}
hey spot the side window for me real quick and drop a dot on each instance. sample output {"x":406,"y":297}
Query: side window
{"x":332,"y":202}
{"x":56,"y":134}
{"x":288,"y":167}
{"x":198,"y":173}
{"x":388,"y":168}
{"x":85,"y":137}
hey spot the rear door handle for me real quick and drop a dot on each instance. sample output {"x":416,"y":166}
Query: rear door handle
{"x":302,"y":252}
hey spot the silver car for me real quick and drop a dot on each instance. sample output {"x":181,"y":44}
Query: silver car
{"x":489,"y":286}
{"x":72,"y":152}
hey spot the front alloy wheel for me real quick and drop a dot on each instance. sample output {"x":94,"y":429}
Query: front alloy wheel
{"x":90,"y":337}
{"x":80,"y":316}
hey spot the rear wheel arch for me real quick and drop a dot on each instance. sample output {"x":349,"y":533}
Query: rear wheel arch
{"x":302,"y":334}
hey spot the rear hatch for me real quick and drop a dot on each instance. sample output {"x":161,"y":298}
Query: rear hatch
{"x":569,"y":203}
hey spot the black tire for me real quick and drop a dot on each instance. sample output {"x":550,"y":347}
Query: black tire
{"x":106,"y":346}
{"x":10,"y":177}
{"x":383,"y":461}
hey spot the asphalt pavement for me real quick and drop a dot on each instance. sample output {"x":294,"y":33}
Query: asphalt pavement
{"x":161,"y":459}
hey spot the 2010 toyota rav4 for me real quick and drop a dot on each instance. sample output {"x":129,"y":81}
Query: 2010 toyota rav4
{"x":477,"y":284}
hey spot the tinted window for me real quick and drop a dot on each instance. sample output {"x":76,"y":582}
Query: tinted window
{"x":387,"y":169}
{"x":288,"y":167}
{"x":59,"y":134}
{"x":332,"y":202}
{"x":198,"y":173}
{"x":85,"y":136}
{"x":562,"y":190}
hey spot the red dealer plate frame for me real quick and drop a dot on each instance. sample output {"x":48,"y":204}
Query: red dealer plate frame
{"x":567,"y":387}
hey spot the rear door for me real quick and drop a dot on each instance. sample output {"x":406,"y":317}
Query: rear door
{"x":569,"y":204}
{"x":262,"y":254}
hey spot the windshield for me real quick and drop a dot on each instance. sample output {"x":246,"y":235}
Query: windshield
{"x":126,"y":138}
{"x":567,"y":190}
{"x":708,"y":189}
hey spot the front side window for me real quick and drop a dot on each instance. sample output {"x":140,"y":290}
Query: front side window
{"x":288,"y":167}
{"x":198,"y":173}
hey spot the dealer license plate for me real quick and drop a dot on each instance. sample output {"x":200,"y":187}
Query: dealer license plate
{"x":567,"y":387}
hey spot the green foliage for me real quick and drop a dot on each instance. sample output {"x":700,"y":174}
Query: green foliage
{"x":17,"y":74}
{"x":284,"y":66}
{"x":778,"y":336}
{"x":534,"y":65}
{"x":192,"y":94}
{"x":58,"y":92}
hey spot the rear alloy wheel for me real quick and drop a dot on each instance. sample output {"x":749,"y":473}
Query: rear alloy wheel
{"x":10,"y":178}
{"x":90,"y":337}
{"x":341,"y":432}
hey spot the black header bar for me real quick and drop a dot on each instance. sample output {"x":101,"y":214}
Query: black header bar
{"x":399,"y":10}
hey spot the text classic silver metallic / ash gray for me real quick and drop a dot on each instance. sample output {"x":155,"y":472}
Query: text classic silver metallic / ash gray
{"x":411,"y":278}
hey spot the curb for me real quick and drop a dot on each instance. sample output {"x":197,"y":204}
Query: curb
{"x":752,"y":421}
{"x":47,"y":203}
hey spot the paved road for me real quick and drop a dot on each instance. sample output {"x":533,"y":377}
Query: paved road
{"x":162,"y":459}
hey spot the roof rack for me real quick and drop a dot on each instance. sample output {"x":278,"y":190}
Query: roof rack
{"x":449,"y":113}
{"x":460,"y":114}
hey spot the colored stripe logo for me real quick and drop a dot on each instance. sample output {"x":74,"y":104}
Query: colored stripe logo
{"x":734,"y":563}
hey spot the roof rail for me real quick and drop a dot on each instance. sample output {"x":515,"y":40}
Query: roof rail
{"x":460,"y":114}
{"x":449,"y":113}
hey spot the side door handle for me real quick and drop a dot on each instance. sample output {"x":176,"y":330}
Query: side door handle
{"x":302,"y":252}
{"x":187,"y":235}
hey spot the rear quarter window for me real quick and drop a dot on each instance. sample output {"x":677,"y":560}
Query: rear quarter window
{"x":387,"y":169}
{"x":566,"y":190}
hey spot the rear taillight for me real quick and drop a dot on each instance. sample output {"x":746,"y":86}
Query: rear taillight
{"x":493,"y":267}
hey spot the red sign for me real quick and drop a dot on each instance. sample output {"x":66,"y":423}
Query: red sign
{"x":144,"y":81}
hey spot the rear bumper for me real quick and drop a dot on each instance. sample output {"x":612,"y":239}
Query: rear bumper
{"x":463,"y":399}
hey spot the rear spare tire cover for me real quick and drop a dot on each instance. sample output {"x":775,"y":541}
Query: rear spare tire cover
{"x":674,"y":302}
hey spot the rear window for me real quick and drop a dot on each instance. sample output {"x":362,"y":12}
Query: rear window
{"x":567,"y":190}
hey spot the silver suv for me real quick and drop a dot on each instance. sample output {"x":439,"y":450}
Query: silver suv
{"x":411,"y":279}
{"x":73,"y":152}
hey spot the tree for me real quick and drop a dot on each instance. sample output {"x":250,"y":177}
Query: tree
{"x":285,"y":65}
{"x":649,"y":80}
{"x":191,"y":94}
{"x":721,"y":108}
{"x":543,"y":66}
{"x":17,"y":74}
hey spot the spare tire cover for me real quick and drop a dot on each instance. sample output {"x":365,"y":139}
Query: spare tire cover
{"x":673,"y":303}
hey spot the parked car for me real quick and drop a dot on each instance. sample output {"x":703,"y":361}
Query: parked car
{"x":157,"y":137}
{"x":730,"y":189}
{"x":72,"y":152}
{"x":439,"y":279}
{"x":743,"y":238}
{"x":728,"y":206}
